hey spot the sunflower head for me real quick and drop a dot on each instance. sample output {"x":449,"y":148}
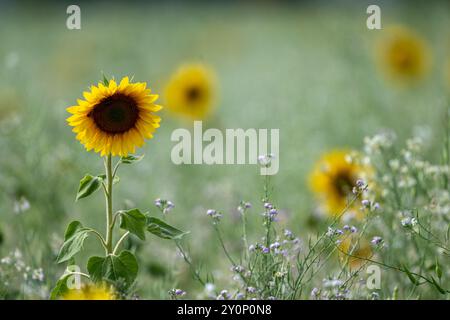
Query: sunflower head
{"x":91,"y":292}
{"x":354,"y":251}
{"x":403,"y":55}
{"x":114,"y":118}
{"x":333,"y":179}
{"x":191,"y":91}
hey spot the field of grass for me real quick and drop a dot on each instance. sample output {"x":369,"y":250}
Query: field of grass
{"x":306,"y":69}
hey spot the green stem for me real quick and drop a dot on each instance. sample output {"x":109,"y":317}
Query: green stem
{"x":120,"y":241}
{"x":109,"y":209}
{"x":244,"y":232}
{"x":195,"y":272}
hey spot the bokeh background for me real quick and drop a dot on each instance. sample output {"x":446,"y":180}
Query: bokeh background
{"x":307,"y":68}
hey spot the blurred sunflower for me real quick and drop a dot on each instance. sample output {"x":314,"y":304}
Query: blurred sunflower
{"x":359,"y":249}
{"x":191,"y":91}
{"x":115,"y":119}
{"x":91,"y":292}
{"x":403,"y":55}
{"x":333,"y":179}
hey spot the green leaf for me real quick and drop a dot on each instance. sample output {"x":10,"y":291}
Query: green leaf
{"x":134,"y":221}
{"x":73,"y":241}
{"x":163,"y":230}
{"x":60,"y":287}
{"x":88,"y":185}
{"x":438,"y":287}
{"x":114,"y":268}
{"x":131,"y":159}
{"x":94,"y":267}
{"x":410,"y":276}
{"x":438,"y":269}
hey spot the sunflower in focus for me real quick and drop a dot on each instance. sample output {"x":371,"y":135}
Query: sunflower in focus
{"x":333,"y":179}
{"x":191,"y":91}
{"x":114,"y":118}
{"x":403,"y":55}
{"x":91,"y":292}
{"x":353,"y":252}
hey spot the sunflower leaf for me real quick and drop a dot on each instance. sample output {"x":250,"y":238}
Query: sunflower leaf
{"x":60,"y":287}
{"x":88,"y":185}
{"x":114,"y":268}
{"x":163,"y":230}
{"x":73,"y":241}
{"x":134,"y":221}
{"x":130,"y":159}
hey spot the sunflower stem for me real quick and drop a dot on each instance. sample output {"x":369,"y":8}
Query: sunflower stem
{"x":109,"y":208}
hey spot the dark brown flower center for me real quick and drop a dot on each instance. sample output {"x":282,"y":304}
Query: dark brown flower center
{"x":193,"y":94}
{"x":115,"y":114}
{"x":343,"y":183}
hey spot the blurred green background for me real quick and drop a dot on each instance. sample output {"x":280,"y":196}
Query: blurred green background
{"x":306,"y":68}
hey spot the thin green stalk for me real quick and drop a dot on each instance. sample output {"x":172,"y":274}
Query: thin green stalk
{"x":125,"y":235}
{"x":109,"y":209}
{"x":244,"y":232}
{"x":194,"y":271}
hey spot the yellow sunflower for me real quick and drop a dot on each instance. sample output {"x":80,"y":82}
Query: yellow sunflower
{"x":114,"y":118}
{"x":403,"y":55}
{"x":359,"y":249}
{"x":91,"y":292}
{"x":191,"y":91}
{"x":333,"y":179}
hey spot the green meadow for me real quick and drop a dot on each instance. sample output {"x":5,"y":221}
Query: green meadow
{"x":308,"y":70}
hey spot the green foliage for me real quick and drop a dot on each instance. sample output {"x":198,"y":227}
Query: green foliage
{"x":163,"y":230}
{"x":88,"y":185}
{"x":134,"y":221}
{"x":73,"y":241}
{"x":130,"y":159}
{"x":60,"y":287}
{"x":120,"y":269}
{"x":114,"y":268}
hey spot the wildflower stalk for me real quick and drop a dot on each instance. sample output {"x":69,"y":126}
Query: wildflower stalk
{"x":267,"y":218}
{"x":219,"y":237}
{"x":244,"y":234}
{"x":194,"y":270}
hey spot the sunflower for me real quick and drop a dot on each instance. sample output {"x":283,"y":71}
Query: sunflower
{"x":191,"y":91}
{"x":403,"y":55}
{"x":354,"y":252}
{"x":333,"y":179}
{"x":91,"y":292}
{"x":114,"y":119}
